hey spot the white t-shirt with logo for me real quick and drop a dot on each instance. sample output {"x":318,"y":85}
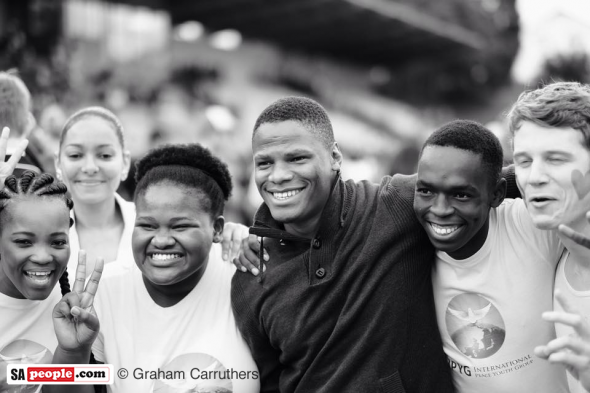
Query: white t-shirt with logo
{"x":26,"y":334}
{"x":489,"y":307}
{"x":194,"y":345}
{"x":578,"y":299}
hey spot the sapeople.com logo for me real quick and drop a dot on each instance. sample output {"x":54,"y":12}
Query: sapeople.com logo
{"x":59,"y":374}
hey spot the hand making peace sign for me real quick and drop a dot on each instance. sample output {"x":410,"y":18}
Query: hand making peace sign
{"x":74,"y":319}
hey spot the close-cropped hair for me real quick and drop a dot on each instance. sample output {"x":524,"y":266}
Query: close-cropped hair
{"x":473,"y":137}
{"x":560,"y":104}
{"x":15,"y":104}
{"x":94,"y":111}
{"x":303,"y":110}
{"x":188,"y":165}
{"x":30,"y":185}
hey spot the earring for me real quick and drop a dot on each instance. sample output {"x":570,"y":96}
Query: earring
{"x":123,"y":176}
{"x":58,"y":175}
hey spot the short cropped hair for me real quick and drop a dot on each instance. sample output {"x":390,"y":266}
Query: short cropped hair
{"x":304,"y":110}
{"x":560,"y":104}
{"x":188,"y":165}
{"x":473,"y":137}
{"x":15,"y":104}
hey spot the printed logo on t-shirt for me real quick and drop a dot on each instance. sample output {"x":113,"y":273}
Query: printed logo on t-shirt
{"x":22,"y":352}
{"x":475,"y":325}
{"x":202,"y":373}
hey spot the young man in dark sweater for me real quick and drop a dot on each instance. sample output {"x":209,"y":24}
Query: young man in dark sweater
{"x":345,"y":303}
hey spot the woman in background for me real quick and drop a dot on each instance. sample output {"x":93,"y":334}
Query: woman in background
{"x":92,"y":160}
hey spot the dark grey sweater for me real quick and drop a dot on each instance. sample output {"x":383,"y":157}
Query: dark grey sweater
{"x":350,"y":310}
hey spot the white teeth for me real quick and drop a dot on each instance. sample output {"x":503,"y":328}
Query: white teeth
{"x":39,"y":277}
{"x":38,"y":273}
{"x":286,"y":194}
{"x":164,"y":257}
{"x":446,"y":230}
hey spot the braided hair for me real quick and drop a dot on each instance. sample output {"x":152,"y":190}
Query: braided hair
{"x":29,"y":184}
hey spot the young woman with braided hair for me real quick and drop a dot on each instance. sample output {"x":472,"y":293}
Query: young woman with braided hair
{"x":173,"y":314}
{"x":29,"y":186}
{"x":34,"y":251}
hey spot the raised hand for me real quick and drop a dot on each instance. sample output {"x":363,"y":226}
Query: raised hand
{"x":6,"y":168}
{"x":74,"y":319}
{"x":572,"y":351}
{"x":248,"y":259}
{"x":232,"y":239}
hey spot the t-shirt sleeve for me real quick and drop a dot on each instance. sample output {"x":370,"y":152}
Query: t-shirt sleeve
{"x":546,"y":242}
{"x":263,"y":353}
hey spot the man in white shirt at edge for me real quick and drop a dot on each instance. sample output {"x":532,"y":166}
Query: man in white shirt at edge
{"x":551,"y":130}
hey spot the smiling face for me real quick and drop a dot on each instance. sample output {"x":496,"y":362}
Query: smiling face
{"x":173,"y":234}
{"x":34,"y":249}
{"x":551,"y":166}
{"x":294,"y":172}
{"x":453,"y":198}
{"x":92,"y":161}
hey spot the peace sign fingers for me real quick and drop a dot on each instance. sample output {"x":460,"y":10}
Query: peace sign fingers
{"x":80,"y":273}
{"x":87,"y":291}
{"x":92,"y":286}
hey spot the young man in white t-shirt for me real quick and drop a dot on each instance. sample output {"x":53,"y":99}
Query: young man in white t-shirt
{"x":551,"y":129}
{"x":494,"y":270}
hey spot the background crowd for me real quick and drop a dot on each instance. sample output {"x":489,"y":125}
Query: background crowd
{"x":388,"y":72}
